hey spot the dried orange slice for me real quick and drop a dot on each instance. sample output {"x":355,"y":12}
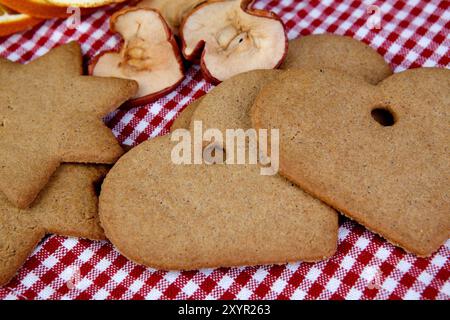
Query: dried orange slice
{"x":36,"y":8}
{"x":83,"y":3}
{"x":12,"y":22}
{"x":47,"y":9}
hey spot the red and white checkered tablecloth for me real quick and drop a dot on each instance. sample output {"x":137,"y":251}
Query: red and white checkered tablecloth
{"x":413,"y":34}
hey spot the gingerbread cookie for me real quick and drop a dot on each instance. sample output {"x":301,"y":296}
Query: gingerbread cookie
{"x":345,"y":54}
{"x":51,"y":114}
{"x":67,"y":206}
{"x":228,"y":105}
{"x":170,"y":216}
{"x":379,"y":154}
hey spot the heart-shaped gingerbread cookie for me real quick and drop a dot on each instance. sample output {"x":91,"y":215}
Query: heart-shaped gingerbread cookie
{"x":171,"y":216}
{"x":380,"y":154}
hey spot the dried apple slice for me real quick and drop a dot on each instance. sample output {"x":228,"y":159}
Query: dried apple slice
{"x":173,"y":11}
{"x":232,"y":38}
{"x":149,"y":55}
{"x":12,"y":22}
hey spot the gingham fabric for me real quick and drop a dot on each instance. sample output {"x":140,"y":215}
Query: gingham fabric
{"x":411,"y":34}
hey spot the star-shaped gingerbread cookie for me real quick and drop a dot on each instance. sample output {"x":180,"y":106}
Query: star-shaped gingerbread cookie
{"x":67,"y":206}
{"x":49,"y":114}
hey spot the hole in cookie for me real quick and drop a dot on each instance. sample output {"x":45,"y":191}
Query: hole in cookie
{"x":214,"y":154}
{"x":383,"y":116}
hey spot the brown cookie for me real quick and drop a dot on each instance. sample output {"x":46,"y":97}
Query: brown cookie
{"x":342,"y":53}
{"x":172,"y":216}
{"x":184,"y":118}
{"x":51,"y":114}
{"x":67,"y":206}
{"x":379,"y":154}
{"x":228,"y":105}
